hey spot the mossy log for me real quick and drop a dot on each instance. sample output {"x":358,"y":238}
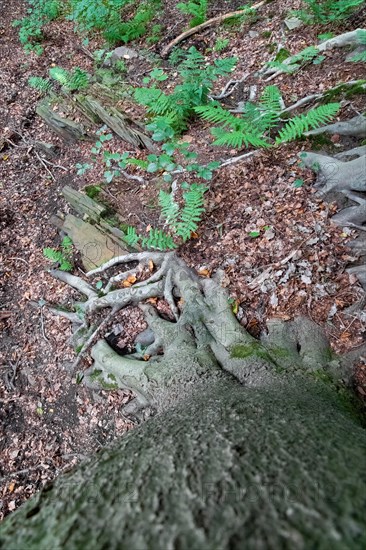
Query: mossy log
{"x":64,"y":127}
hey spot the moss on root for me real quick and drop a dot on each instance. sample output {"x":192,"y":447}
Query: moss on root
{"x":254,"y":349}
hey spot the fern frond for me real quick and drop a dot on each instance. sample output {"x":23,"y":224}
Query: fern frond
{"x":270,"y":99}
{"x":285,"y":68}
{"x":62,"y":76}
{"x":43,"y":85}
{"x":79,"y":80}
{"x":224,"y":66}
{"x":238,"y":138}
{"x":169,"y":208}
{"x":131,"y":237}
{"x":213,"y":112}
{"x":146,"y":96}
{"x":192,"y":210}
{"x":359,"y":57}
{"x":76,"y":80}
{"x":158,"y":240}
{"x":302,"y":123}
{"x":66,"y":244}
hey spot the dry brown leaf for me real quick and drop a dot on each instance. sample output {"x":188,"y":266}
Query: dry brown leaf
{"x":11,"y":487}
{"x":152,"y":301}
{"x":151,"y":265}
{"x":129,"y":281}
{"x":204,"y":273}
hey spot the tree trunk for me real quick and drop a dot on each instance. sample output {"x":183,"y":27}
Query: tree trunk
{"x":275,"y":466}
{"x":253,"y":445}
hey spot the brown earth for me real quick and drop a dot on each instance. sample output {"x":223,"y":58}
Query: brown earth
{"x":296,"y":266}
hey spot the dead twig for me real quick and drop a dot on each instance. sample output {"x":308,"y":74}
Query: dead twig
{"x":45,"y":165}
{"x":210,"y":23}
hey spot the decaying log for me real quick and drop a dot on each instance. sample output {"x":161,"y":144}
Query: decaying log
{"x":64,"y":127}
{"x":98,"y":241}
{"x":119,"y":123}
{"x":83,"y":204}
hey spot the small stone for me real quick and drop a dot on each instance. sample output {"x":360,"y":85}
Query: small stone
{"x":145,"y":338}
{"x":253,"y":34}
{"x":120,"y":53}
{"x":293,"y":23}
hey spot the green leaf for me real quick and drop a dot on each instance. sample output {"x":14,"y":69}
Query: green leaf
{"x":108,"y":176}
{"x":152,"y":167}
{"x":298,"y":183}
{"x":254,"y":234}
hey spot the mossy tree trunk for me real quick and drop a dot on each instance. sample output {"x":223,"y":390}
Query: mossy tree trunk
{"x":252,"y":444}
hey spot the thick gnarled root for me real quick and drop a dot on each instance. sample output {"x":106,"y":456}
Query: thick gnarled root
{"x":205,"y":339}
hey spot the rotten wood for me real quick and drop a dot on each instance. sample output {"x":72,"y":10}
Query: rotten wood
{"x":64,"y":127}
{"x":83,"y":204}
{"x":119,"y":123}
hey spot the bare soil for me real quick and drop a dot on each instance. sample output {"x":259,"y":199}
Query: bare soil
{"x":296,"y":266}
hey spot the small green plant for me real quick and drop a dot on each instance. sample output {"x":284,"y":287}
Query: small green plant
{"x":77,"y":80}
{"x":221,"y":44}
{"x":327,"y":11}
{"x":298,"y":183}
{"x":128,"y":30}
{"x":170,"y":112}
{"x":296,"y":61}
{"x":43,"y":85}
{"x":97,"y":14}
{"x":155,"y":34}
{"x":63,"y":256}
{"x":39,"y":13}
{"x":196,"y":8}
{"x":182,"y":222}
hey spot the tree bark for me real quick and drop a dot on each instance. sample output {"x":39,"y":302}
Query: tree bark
{"x":253,"y":444}
{"x":280,"y":465}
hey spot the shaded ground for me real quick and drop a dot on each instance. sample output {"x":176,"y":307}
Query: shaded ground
{"x":297,"y":265}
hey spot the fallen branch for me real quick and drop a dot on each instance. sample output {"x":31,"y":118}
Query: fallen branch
{"x":210,"y":23}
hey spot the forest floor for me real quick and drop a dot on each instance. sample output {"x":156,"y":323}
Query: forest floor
{"x":295,"y":266}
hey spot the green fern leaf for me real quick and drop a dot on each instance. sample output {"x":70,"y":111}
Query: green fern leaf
{"x":43,"y":85}
{"x":169,"y":208}
{"x":270,"y":99}
{"x":158,"y":240}
{"x":131,"y":237}
{"x":302,"y":123}
{"x":359,"y":57}
{"x":238,"y":138}
{"x":192,"y":210}
{"x":216,"y":114}
{"x":60,"y":75}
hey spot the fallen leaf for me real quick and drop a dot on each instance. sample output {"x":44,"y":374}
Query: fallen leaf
{"x":11,"y":487}
{"x":152,"y":300}
{"x":151,"y":265}
{"x":129,"y":281}
{"x":204,"y":273}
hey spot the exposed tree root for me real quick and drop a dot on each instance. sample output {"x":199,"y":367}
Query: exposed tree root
{"x":335,"y":174}
{"x":204,"y":339}
{"x":345,"y":176}
{"x":356,"y":127}
{"x":340,"y":41}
